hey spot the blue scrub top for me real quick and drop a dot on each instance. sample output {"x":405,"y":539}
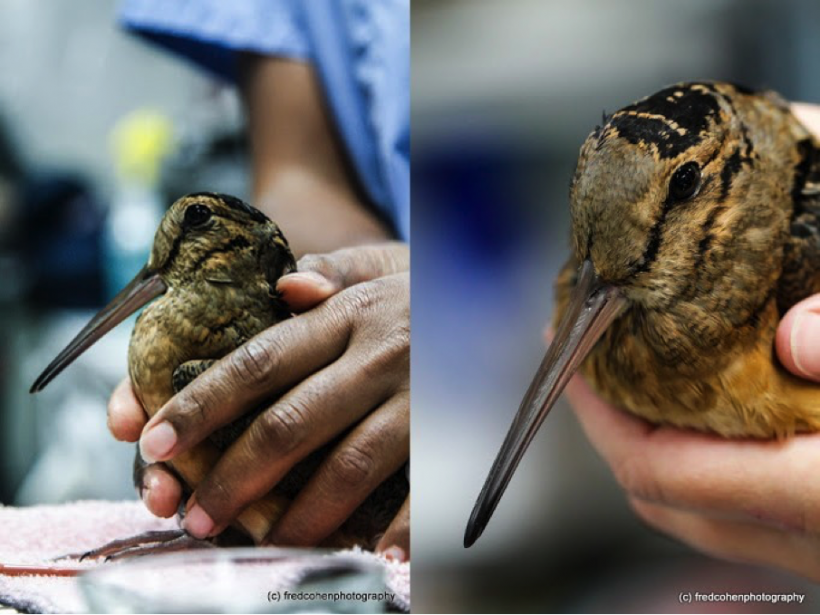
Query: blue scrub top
{"x":360,"y":48}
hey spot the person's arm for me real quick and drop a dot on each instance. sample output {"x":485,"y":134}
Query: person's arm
{"x":746,"y":500}
{"x":301,"y":177}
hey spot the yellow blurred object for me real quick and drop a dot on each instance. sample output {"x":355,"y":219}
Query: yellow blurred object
{"x":140,"y":141}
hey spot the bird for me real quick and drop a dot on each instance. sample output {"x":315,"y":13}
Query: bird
{"x":695,"y":225}
{"x":212,"y":275}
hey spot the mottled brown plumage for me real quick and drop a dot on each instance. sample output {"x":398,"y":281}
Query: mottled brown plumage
{"x":706,"y":279}
{"x":695,"y":226}
{"x":221,"y":277}
{"x":214,"y":265}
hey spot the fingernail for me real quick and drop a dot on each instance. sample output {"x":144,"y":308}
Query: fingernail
{"x":197,"y":522}
{"x":395,"y":554}
{"x":805,"y":343}
{"x":149,"y":481}
{"x":310,"y":277}
{"x":157,"y":442}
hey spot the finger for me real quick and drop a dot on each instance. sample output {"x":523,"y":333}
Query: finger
{"x":319,"y":276}
{"x":596,"y":416}
{"x":373,"y":452}
{"x":703,"y":472}
{"x":395,"y":544}
{"x":126,"y":418}
{"x":798,"y":339}
{"x":809,"y":116}
{"x":269,"y":363}
{"x":735,"y":540}
{"x":305,"y":290}
{"x":310,"y":415}
{"x":160,"y":491}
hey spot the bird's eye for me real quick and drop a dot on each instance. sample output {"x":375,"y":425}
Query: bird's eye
{"x":196,"y":215}
{"x":685,"y":182}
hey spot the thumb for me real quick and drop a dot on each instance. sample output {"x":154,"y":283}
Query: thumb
{"x":798,"y":339}
{"x":319,"y":276}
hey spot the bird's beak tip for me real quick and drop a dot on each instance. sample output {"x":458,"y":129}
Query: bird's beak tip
{"x":593,"y":306}
{"x":471,"y":534}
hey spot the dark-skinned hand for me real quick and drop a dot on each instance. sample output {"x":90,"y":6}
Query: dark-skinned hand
{"x":343,"y":360}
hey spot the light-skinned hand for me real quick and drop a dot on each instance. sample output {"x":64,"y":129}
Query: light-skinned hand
{"x":743,"y":500}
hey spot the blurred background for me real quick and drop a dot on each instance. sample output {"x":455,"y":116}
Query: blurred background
{"x":98,"y":133}
{"x":504,"y":93}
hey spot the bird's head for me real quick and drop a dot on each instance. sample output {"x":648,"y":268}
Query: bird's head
{"x":678,"y":190}
{"x":218,"y":239}
{"x":203,"y":238}
{"x":680,"y":204}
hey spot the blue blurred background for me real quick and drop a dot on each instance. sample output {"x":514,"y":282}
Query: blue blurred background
{"x":504,"y":93}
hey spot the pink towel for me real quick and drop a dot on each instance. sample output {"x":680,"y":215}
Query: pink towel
{"x":36,"y":535}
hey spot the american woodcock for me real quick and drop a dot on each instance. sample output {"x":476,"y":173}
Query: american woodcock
{"x":214,"y":265}
{"x":695,"y":226}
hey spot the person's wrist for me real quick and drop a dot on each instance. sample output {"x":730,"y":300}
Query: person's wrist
{"x":317,"y":215}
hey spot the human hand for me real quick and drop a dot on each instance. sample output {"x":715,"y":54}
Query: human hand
{"x":744,"y":500}
{"x":355,"y":368}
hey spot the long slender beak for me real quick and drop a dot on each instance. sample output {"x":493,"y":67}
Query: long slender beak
{"x":593,"y":306}
{"x":145,"y":286}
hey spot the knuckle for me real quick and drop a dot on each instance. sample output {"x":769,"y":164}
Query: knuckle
{"x":282,"y":427}
{"x":218,"y":499}
{"x":320,"y":263}
{"x":254,"y":361}
{"x":335,"y":315}
{"x":370,"y":297}
{"x":399,"y":338}
{"x":395,"y":258}
{"x":197,"y":408}
{"x":352,"y":468}
{"x":362,"y":297}
{"x":379,"y":327}
{"x":387,"y":358}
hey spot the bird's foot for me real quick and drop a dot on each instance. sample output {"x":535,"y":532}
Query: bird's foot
{"x":147,"y":543}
